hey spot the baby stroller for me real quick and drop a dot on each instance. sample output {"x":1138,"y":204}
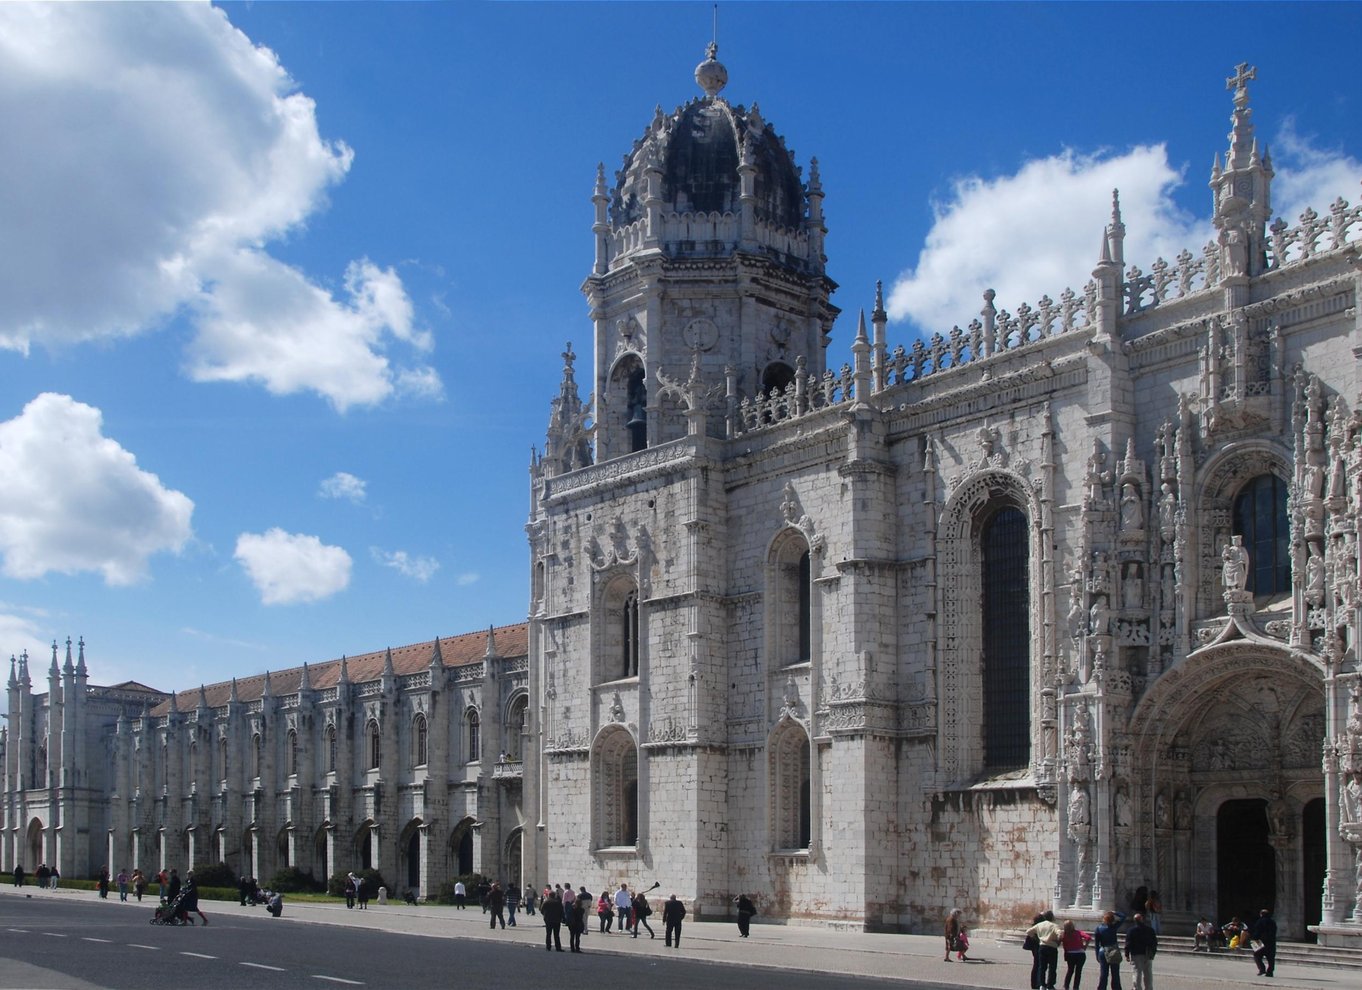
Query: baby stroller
{"x":173,"y":913}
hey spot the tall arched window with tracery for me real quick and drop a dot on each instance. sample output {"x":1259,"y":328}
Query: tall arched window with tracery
{"x":291,"y":753}
{"x":791,"y":798}
{"x":375,"y":747}
{"x":789,"y":606}
{"x":619,"y":644}
{"x":1006,"y":627}
{"x":419,"y":741}
{"x":515,"y":726}
{"x":614,"y":774}
{"x":472,"y":736}
{"x":257,"y":754}
{"x":222,"y":757}
{"x":329,"y":748}
{"x":1260,"y":518}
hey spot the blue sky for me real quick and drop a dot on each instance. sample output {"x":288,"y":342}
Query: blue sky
{"x":285,"y":286}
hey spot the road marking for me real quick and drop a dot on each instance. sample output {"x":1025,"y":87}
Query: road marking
{"x":106,"y":941}
{"x":337,"y":979}
{"x":276,"y":969}
{"x":153,"y":948}
{"x":197,"y":955}
{"x":21,"y":931}
{"x":54,"y":935}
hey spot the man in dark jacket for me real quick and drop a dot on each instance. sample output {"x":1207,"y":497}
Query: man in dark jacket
{"x":551,"y":910}
{"x":496,"y":903}
{"x":672,"y":914}
{"x":1141,"y":944}
{"x":1265,"y":933}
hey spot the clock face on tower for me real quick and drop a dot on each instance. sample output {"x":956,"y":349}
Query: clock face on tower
{"x":700,"y":334}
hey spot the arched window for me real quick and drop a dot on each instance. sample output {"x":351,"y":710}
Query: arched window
{"x":473,"y":731}
{"x":291,"y":753}
{"x":1004,"y":553}
{"x":329,"y":749}
{"x":624,"y":428}
{"x":419,"y":741}
{"x":619,"y":646}
{"x":515,"y":727}
{"x":375,"y":739}
{"x":222,"y":757}
{"x":791,"y":804}
{"x":790,"y":605}
{"x":629,"y":633}
{"x":615,"y":780}
{"x":776,"y":377}
{"x":1260,"y":518}
{"x":257,"y":754}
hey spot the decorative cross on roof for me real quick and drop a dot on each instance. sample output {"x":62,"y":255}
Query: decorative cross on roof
{"x":1243,"y":72}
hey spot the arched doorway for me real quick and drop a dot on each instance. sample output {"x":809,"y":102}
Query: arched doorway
{"x":364,"y":846}
{"x":513,"y":858}
{"x":1314,"y":864}
{"x":322,"y":860}
{"x":34,"y":845}
{"x":1246,"y":863}
{"x":461,"y":847}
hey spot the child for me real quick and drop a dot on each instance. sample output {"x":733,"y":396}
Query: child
{"x":962,"y":944}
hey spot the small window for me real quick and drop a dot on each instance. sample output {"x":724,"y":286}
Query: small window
{"x":291,"y":755}
{"x":474,"y":753}
{"x":629,"y":635}
{"x":257,"y":754}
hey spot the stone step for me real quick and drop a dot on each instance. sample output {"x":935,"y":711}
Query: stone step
{"x":1288,"y":953}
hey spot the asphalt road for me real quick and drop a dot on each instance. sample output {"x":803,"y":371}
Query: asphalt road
{"x":60,"y":944}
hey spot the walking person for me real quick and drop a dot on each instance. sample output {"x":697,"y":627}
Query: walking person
{"x":953,"y":926}
{"x":1032,"y":945}
{"x":673,"y":913}
{"x":605,"y":911}
{"x":1106,"y":943}
{"x":585,"y":901}
{"x":191,"y":897}
{"x":624,"y":907}
{"x":746,"y":910}
{"x":350,"y":880}
{"x":1074,"y":944}
{"x":139,"y":884}
{"x":19,"y":875}
{"x":530,"y":900}
{"x":460,"y":895}
{"x":1154,"y":912}
{"x":641,"y":912}
{"x":1265,"y":952}
{"x":512,"y":903}
{"x":362,"y":893}
{"x":122,"y":881}
{"x":576,"y":922}
{"x":551,"y":911}
{"x":103,"y":884}
{"x":1049,"y":936}
{"x":496,"y":904}
{"x":1141,"y":944}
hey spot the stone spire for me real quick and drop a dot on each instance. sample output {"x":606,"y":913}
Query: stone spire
{"x":265,"y":692}
{"x":437,"y":658}
{"x":1117,"y":232}
{"x":232,"y":698}
{"x":344,"y":678}
{"x":1243,"y":194}
{"x":69,"y":668}
{"x":305,"y":684}
{"x":13,"y":678}
{"x":203,"y":698}
{"x":388,"y":670}
{"x":491,"y":642}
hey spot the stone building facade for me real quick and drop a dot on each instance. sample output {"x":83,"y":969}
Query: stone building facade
{"x":1022,"y":616}
{"x":1025,"y":615}
{"x":409,"y":761}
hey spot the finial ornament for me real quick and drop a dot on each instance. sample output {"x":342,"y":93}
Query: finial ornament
{"x":710,"y":75}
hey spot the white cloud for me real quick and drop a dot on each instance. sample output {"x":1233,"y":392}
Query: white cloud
{"x":344,"y":485}
{"x":151,"y":153}
{"x":288,"y":568}
{"x":419,"y":569}
{"x":467,"y":578}
{"x":20,"y":633}
{"x":1309,"y":176}
{"x":1039,"y":230}
{"x":73,"y":500}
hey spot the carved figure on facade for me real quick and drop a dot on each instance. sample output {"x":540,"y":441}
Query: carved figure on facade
{"x":1235,"y":559}
{"x":1100,"y":617}
{"x":792,"y":513}
{"x":1163,"y":815}
{"x":1314,"y":577}
{"x":1122,"y":813}
{"x":1132,"y":587}
{"x":1079,"y":817}
{"x":1168,"y":512}
{"x":1097,"y":477}
{"x":1132,"y":510}
{"x":790,"y":706}
{"x":617,"y":709}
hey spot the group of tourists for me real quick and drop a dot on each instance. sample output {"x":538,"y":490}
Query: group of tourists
{"x":1047,"y":939}
{"x":44,"y":876}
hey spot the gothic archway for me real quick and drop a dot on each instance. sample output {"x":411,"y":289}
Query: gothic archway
{"x":1225,"y":756}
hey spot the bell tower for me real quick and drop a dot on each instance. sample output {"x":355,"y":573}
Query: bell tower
{"x":709,"y":263}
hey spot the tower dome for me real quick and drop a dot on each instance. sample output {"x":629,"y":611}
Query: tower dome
{"x":718,"y":161}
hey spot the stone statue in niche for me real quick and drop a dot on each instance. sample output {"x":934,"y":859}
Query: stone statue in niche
{"x":1132,"y":587}
{"x":1314,"y":577}
{"x":1168,"y":512}
{"x":1123,"y":810}
{"x":1162,"y":814}
{"x":1235,"y":243}
{"x":1100,"y":616}
{"x":1132,"y":509}
{"x":1101,"y":578}
{"x":1078,"y":806}
{"x":1235,"y":560}
{"x":1182,"y":811}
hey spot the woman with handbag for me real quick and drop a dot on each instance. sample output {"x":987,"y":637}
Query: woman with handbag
{"x":952,"y":933}
{"x":1106,"y":941}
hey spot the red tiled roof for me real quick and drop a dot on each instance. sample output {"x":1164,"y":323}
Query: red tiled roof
{"x":457,"y":651}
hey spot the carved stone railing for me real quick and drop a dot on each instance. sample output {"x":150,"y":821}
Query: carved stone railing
{"x":410,"y":682}
{"x":804,"y":394}
{"x":508,"y":770}
{"x":1314,"y":235}
{"x":1164,"y":282}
